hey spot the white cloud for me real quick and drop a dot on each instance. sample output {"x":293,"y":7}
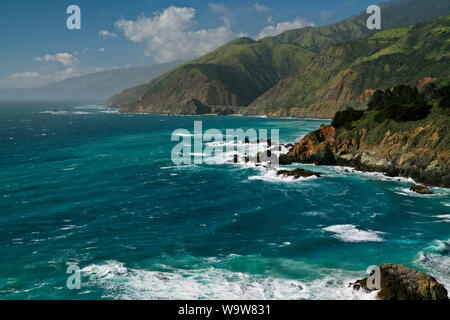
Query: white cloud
{"x":224,"y":11}
{"x":261,"y":8}
{"x":169,"y":35}
{"x":281,"y":27}
{"x":326,"y":15}
{"x":34,"y":79}
{"x":66,"y":59}
{"x":24,"y":75}
{"x":106,"y":34}
{"x":218,"y":8}
{"x":101,"y":50}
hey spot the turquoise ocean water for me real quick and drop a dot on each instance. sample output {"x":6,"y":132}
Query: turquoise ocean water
{"x":91,"y":187}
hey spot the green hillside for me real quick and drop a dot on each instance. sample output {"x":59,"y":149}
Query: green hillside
{"x":235,"y":74}
{"x":303,"y":72}
{"x":346,"y":74}
{"x":394,"y":14}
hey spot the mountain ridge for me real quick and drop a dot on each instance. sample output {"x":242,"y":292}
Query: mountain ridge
{"x":98,"y":85}
{"x":265,"y":75}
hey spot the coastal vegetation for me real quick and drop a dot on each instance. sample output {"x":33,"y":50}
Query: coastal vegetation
{"x":404,"y":132}
{"x":309,"y":72}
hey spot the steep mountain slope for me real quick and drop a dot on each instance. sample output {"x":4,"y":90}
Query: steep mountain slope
{"x":395,"y":13}
{"x":266,"y":74}
{"x":234,"y":74}
{"x":97,"y":86}
{"x":344,"y":75}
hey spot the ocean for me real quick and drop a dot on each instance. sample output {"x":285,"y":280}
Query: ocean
{"x":85,"y":186}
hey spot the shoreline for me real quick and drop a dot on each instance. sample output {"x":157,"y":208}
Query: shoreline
{"x":356,"y":168}
{"x":219,"y":115}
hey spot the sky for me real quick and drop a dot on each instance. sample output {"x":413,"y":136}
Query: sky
{"x":38,"y":48}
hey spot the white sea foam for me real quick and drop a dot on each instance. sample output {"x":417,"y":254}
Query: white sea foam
{"x":379,"y":176}
{"x":435,"y":192}
{"x":110,"y":111}
{"x":436,"y":260}
{"x":121,"y":282}
{"x":444,"y":218}
{"x":92,"y":107}
{"x":81,"y":112}
{"x":270,"y":175}
{"x":178,"y":167}
{"x":56,"y":113}
{"x":349,"y":233}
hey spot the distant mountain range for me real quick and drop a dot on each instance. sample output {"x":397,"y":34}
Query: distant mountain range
{"x":96,"y":86}
{"x":309,"y":71}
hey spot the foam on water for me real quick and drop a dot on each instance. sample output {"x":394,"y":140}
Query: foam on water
{"x":436,"y":260}
{"x":121,"y":282}
{"x":444,"y":218}
{"x":436,"y":192}
{"x":270,"y":175}
{"x":349,"y":233}
{"x":91,"y":109}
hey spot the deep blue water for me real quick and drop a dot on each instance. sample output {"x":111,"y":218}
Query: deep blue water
{"x":98,"y":189}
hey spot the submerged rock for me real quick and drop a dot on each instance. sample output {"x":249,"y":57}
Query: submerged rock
{"x":298,"y":173}
{"x":402,"y":283}
{"x":420,"y":189}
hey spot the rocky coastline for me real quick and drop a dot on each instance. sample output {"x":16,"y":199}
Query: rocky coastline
{"x":395,"y":153}
{"x":398,"y":282}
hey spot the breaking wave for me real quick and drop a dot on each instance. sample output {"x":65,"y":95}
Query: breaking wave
{"x":125,"y":283}
{"x":349,"y":233}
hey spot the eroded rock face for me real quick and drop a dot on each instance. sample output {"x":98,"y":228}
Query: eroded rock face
{"x":298,"y":173}
{"x":402,"y":283}
{"x":418,"y":151}
{"x":316,"y":147}
{"x":420,"y":189}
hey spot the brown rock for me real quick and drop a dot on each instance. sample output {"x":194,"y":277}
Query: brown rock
{"x":298,"y":173}
{"x":402,"y":283}
{"x":420,"y":189}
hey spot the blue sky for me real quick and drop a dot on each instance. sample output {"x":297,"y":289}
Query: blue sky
{"x":38,"y":48}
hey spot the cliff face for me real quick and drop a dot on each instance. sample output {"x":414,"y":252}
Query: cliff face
{"x":415,"y":149}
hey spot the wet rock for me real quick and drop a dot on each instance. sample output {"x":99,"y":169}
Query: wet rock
{"x":420,"y":189}
{"x":402,"y":283}
{"x":298,"y":173}
{"x":289,"y":146}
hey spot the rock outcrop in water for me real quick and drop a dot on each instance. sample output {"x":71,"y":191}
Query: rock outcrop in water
{"x":402,"y":283}
{"x":298,"y":173}
{"x":420,"y":189}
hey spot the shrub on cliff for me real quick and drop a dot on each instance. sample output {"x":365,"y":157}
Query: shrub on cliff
{"x":401,"y":104}
{"x":444,"y":95}
{"x":344,"y":119}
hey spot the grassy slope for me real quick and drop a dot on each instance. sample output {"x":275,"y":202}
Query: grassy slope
{"x":394,"y":14}
{"x":243,"y":70}
{"x":340,"y":74}
{"x":234,"y":74}
{"x":416,"y":149}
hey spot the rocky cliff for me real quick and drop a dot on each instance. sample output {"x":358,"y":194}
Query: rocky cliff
{"x":416,"y":149}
